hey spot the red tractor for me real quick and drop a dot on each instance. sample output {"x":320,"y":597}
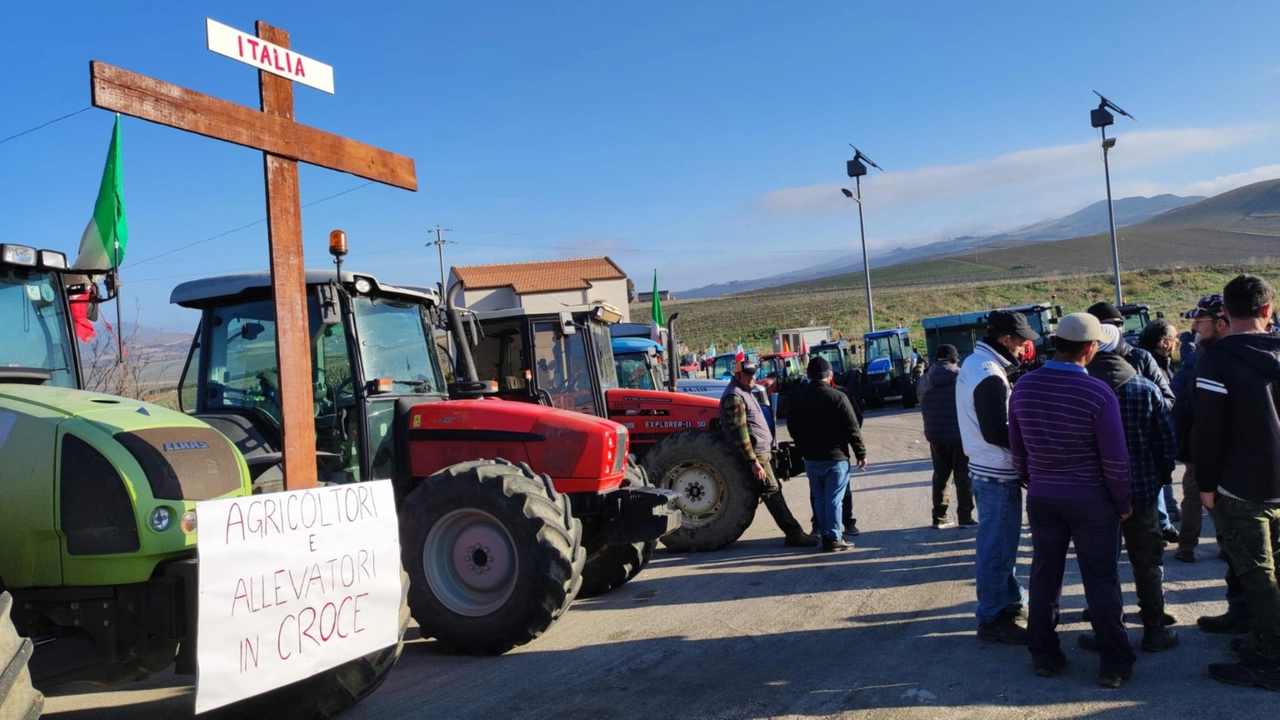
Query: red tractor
{"x":565,"y":360}
{"x":507,"y":510}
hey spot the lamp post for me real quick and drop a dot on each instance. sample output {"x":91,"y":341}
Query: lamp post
{"x":1100,"y":118}
{"x":856,"y":170}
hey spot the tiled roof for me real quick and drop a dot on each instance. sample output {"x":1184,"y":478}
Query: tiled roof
{"x":541,"y":276}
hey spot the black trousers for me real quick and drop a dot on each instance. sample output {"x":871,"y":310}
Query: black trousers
{"x":950,"y":461}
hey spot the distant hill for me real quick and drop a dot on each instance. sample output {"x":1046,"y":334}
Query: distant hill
{"x":1238,"y":226}
{"x":1092,"y":219}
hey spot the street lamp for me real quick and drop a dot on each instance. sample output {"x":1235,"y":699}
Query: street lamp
{"x":856,"y":170}
{"x":1101,"y":118}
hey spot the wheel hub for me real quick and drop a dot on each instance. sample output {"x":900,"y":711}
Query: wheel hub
{"x":470,"y":562}
{"x":699,"y":492}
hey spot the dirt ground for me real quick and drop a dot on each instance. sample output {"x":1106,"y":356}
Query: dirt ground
{"x":760,"y":630}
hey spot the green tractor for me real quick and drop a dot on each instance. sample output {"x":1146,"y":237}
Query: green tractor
{"x":98,"y":577}
{"x":892,"y":368}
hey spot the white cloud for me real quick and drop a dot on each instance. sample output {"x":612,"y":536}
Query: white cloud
{"x":1025,"y":167}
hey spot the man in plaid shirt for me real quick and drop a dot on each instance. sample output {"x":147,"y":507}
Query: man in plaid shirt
{"x":1149,"y":436}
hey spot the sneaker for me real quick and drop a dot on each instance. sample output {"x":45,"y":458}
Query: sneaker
{"x":849,"y":536}
{"x":851,"y":529}
{"x":1159,"y":639}
{"x":968,"y":522}
{"x":1003,"y":629}
{"x":944,"y":525}
{"x":837,"y":545}
{"x":1053,"y":667}
{"x":1186,"y":555}
{"x":1114,"y":680}
{"x":1228,"y":623}
{"x":800,"y":541}
{"x":1170,"y":534}
{"x":1087,"y":642}
{"x":1251,"y":671}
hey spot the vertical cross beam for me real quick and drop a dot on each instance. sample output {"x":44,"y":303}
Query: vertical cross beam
{"x":288,"y":283}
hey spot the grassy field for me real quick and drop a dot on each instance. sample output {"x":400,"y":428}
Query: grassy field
{"x":752,"y":318}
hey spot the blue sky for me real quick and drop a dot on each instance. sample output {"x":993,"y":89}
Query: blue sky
{"x":704,"y":139}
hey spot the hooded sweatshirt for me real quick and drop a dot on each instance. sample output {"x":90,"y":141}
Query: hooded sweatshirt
{"x":1235,"y":440}
{"x":936,"y":390}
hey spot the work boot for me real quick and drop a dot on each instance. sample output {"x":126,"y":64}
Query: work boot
{"x":1003,"y":629}
{"x":1185,"y":554}
{"x":1170,"y":534}
{"x":1158,"y":638}
{"x":837,"y":545}
{"x":800,"y":541}
{"x":1228,"y":623}
{"x":1252,"y":671}
{"x":1052,"y":667}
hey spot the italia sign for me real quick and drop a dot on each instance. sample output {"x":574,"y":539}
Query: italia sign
{"x":255,"y":51}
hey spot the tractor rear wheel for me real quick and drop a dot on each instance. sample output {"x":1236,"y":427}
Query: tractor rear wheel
{"x":610,"y":566}
{"x":716,"y":494}
{"x":18,"y":700}
{"x":330,"y":692}
{"x":492,"y":560}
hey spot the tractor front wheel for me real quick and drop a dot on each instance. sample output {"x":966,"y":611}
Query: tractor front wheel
{"x":609,"y":566}
{"x":18,"y":700}
{"x":715,"y":492}
{"x":492,"y":554}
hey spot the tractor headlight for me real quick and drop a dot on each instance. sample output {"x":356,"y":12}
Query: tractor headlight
{"x":160,"y":519}
{"x":53,"y":259}
{"x":621,"y":450}
{"x":17,"y":254}
{"x":188,"y":522}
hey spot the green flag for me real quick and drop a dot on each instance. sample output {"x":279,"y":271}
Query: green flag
{"x":657,"y":321}
{"x":105,"y":238}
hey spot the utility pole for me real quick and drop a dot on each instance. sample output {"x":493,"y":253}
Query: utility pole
{"x":856,"y":170}
{"x":1101,"y":118}
{"x":440,"y":242}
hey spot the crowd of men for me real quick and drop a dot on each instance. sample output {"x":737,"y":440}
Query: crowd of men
{"x":1090,"y":438}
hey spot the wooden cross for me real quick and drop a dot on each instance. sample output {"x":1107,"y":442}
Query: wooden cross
{"x":284,"y":143}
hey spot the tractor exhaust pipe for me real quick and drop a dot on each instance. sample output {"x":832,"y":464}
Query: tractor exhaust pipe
{"x":466,"y":366}
{"x":673,"y":360}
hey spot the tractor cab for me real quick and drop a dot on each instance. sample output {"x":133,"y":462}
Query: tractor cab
{"x":780,"y":367}
{"x":721,"y":366}
{"x":639,"y":363}
{"x":39,"y":346}
{"x":372,"y":351}
{"x":843,"y":359}
{"x":892,"y":367}
{"x":965,"y":330}
{"x":1136,"y":318}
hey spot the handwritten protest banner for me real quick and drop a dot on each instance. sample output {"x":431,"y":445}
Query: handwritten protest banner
{"x":293,"y":584}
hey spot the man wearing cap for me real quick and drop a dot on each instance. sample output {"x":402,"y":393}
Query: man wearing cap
{"x":936,"y":391}
{"x":982,"y":410}
{"x":746,"y":429}
{"x":1236,"y":448}
{"x":824,"y":428}
{"x":1208,"y":323}
{"x":1148,"y":435}
{"x":1068,"y":445}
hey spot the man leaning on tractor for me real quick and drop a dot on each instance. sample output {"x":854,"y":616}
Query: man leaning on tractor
{"x":747,"y":430}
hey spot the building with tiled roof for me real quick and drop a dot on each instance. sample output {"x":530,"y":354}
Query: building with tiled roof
{"x":543,"y":285}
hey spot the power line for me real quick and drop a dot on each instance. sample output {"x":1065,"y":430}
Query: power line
{"x":45,"y":125}
{"x":245,"y":227}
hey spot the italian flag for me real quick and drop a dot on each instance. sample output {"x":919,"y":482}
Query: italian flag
{"x":657,"y":321}
{"x":103,"y":244}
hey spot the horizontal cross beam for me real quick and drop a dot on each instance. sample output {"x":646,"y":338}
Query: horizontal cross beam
{"x":160,"y":102}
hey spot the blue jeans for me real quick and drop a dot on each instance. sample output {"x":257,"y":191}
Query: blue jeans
{"x":1167,"y":508}
{"x":828,"y":481}
{"x":999,"y":530}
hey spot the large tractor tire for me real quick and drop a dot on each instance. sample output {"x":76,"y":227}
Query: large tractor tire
{"x":329,"y":693}
{"x":909,"y":397}
{"x":493,"y":555}
{"x":18,"y":700}
{"x":715,"y":492}
{"x":610,"y":566}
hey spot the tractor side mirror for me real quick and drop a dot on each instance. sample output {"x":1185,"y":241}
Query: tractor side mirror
{"x":329,"y":314}
{"x":566,"y":323}
{"x":1159,"y":314}
{"x":91,"y":311}
{"x":251,"y":330}
{"x":468,"y":389}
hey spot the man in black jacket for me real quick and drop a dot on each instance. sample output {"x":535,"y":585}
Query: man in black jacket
{"x":823,"y":426}
{"x":936,"y":391}
{"x":1236,"y":448}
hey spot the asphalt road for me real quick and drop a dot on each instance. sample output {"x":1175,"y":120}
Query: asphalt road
{"x":761,"y":630}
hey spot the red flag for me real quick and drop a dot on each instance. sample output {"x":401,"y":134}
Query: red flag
{"x":80,"y":317}
{"x":739,"y":356}
{"x":804,"y":346}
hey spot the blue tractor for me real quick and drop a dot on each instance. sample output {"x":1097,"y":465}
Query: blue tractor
{"x":891,"y":368}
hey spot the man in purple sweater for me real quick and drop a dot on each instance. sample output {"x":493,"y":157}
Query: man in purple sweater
{"x":1068,"y":446}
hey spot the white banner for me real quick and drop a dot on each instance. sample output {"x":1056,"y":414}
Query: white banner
{"x":292,"y":584}
{"x":252,"y":50}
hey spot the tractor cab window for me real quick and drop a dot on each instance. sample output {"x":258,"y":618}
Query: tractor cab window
{"x":836,"y":358}
{"x":1134,"y":323}
{"x":562,"y":369}
{"x":604,"y":351}
{"x":36,"y":329}
{"x":396,"y":343}
{"x":887,"y":346}
{"x":500,"y":357}
{"x":633,"y":372}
